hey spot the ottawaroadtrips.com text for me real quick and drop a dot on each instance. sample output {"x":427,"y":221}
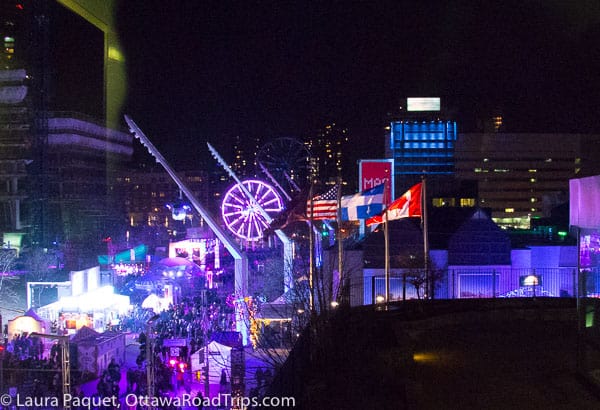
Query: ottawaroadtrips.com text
{"x":141,"y":400}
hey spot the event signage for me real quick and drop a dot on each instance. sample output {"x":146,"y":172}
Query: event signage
{"x":373,"y":172}
{"x":423,"y":104}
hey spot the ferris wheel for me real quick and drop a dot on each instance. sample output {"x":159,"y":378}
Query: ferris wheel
{"x":243,"y":216}
{"x":288,"y":161}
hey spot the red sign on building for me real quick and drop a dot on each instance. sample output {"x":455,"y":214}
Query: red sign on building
{"x":373,"y":172}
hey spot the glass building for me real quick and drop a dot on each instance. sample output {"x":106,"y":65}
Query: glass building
{"x":421,"y":147}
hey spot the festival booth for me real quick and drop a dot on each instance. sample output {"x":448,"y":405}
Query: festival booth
{"x":88,"y":305}
{"x":272,"y":324}
{"x":95,"y":350}
{"x":219,"y":356}
{"x":29,"y":322}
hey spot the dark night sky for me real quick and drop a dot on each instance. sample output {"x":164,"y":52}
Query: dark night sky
{"x":202,"y":70}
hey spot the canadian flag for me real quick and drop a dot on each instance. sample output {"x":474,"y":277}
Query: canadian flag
{"x":408,"y":205}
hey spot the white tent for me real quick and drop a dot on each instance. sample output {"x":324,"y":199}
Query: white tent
{"x":219,"y":358}
{"x":156,"y":303}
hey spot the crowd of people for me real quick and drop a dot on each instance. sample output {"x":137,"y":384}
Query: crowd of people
{"x":36,"y":367}
{"x":26,"y":364}
{"x":191,"y":319}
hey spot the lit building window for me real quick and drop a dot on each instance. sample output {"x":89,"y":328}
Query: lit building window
{"x":509,"y":210}
{"x":467,"y":202}
{"x":532,"y":180}
{"x":497,"y":122}
{"x":533,"y":170}
{"x":532,"y":200}
{"x":438,"y":202}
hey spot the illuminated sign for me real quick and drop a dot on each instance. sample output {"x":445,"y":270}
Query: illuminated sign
{"x":423,"y":104}
{"x":530,"y":280}
{"x":373,"y":172}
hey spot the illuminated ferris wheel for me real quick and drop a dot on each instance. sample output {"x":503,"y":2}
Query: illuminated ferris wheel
{"x":243,"y":216}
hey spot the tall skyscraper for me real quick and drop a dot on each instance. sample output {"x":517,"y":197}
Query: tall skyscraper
{"x":421,"y":140}
{"x":57,"y":154}
{"x":327,"y":147}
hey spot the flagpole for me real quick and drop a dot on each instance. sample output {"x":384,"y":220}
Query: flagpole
{"x":429,"y":285}
{"x":387,"y":258}
{"x":339,"y":239}
{"x":386,"y":236}
{"x":311,"y":247}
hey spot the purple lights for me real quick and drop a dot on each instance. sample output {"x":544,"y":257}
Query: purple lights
{"x":243,"y":216}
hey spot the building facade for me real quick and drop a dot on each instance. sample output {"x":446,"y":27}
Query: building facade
{"x":422,"y":147}
{"x":151,"y":201}
{"x":523,"y":176}
{"x":56,"y":153}
{"x":327,"y":148}
{"x":421,"y":139}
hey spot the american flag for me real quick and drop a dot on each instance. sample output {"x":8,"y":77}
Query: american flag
{"x":324,"y":206}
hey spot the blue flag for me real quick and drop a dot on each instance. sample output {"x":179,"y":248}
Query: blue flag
{"x":363,"y":205}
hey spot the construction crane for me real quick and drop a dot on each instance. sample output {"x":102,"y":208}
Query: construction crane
{"x":240,"y":258}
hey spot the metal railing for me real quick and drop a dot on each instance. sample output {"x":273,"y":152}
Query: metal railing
{"x":496,"y":282}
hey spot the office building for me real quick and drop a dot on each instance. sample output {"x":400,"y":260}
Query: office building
{"x":521,"y":176}
{"x":421,"y":139}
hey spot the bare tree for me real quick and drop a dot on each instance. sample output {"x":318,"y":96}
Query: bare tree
{"x":416,"y":274}
{"x":38,"y":264}
{"x":276,"y":324}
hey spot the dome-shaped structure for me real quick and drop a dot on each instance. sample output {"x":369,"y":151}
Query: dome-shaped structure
{"x":176,"y":267}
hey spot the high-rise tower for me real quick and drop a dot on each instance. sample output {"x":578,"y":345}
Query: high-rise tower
{"x":57,"y":96}
{"x":421,"y":141}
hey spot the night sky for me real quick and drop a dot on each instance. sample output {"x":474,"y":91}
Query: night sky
{"x":206,"y":71}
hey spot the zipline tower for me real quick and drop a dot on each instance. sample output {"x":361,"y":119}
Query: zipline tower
{"x":240,"y":258}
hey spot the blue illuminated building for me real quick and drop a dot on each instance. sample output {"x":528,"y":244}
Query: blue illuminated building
{"x":423,"y":146}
